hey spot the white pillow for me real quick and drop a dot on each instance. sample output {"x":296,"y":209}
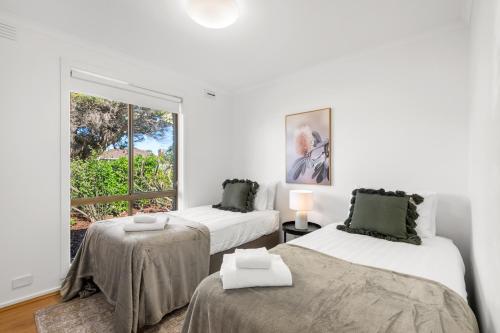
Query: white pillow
{"x":426,"y":221}
{"x":271,"y":193}
{"x":260,"y":201}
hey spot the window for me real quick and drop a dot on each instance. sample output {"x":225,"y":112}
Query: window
{"x":123,"y":161}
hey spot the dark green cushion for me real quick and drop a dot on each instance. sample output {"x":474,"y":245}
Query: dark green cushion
{"x":390,"y":215}
{"x":238,"y":196}
{"x":383,"y":214}
{"x":235,"y":196}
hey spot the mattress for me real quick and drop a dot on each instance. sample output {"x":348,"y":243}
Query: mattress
{"x":437,"y":259}
{"x":231,"y":229}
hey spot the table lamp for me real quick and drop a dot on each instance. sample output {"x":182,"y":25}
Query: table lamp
{"x":302,"y":202}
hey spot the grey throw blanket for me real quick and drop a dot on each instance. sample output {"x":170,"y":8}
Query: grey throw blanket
{"x":145,"y":275}
{"x":329,"y":295}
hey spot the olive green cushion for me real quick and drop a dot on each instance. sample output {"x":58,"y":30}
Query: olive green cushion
{"x":378,"y":215}
{"x":383,"y":214}
{"x":238,"y":196}
{"x":235,"y":196}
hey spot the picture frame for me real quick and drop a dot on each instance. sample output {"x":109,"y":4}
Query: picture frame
{"x":309,"y":147}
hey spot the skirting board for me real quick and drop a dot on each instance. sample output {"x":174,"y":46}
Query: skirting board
{"x":28,"y":299}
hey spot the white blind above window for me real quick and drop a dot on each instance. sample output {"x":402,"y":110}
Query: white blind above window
{"x":122,"y":91}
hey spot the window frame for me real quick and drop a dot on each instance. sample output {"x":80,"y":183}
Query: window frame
{"x":132,"y":195}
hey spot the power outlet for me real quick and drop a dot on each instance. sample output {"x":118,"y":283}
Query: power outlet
{"x":22,"y":281}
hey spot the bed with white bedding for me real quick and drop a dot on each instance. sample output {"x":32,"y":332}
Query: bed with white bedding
{"x":436,"y":259}
{"x":158,"y":270}
{"x":231,"y":229}
{"x":345,"y":282}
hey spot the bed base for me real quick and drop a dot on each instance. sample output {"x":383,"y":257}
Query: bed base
{"x":268,"y":241}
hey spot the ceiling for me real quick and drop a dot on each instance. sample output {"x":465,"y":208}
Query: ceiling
{"x":271,"y":38}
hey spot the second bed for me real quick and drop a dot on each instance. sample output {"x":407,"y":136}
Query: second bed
{"x":345,"y":282}
{"x":148,"y":274}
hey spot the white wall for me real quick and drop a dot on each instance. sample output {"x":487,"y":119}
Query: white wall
{"x":484,"y":176}
{"x":400,"y":121}
{"x":30,"y":150}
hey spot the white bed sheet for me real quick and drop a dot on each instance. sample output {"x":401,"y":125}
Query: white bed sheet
{"x":230,"y":229}
{"x":437,"y":259}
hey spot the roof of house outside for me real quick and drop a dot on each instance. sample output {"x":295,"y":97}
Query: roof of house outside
{"x":114,"y":154}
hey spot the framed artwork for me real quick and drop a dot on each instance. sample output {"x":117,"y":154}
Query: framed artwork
{"x":308,"y":147}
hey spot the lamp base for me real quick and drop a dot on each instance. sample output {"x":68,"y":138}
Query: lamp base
{"x":301,"y":220}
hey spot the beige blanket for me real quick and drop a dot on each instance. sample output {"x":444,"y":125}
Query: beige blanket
{"x":145,"y":275}
{"x":329,"y":295}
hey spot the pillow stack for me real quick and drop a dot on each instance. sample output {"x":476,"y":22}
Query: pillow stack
{"x":427,"y":210}
{"x":384,"y":214}
{"x":264,"y":199}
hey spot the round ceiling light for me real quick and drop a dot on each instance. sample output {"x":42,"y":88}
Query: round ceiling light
{"x":213,"y":14}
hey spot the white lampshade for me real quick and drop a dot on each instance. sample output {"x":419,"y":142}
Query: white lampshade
{"x":301,"y":200}
{"x":213,"y":14}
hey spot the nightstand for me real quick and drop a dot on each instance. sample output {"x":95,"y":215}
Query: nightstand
{"x":289,"y":228}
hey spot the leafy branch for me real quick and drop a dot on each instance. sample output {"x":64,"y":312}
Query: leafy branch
{"x":320,"y":163}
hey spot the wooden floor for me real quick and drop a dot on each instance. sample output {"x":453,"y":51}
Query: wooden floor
{"x":19,"y":318}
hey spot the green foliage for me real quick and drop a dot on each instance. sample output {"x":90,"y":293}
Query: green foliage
{"x":153,"y":173}
{"x":97,"y":123}
{"x":93,"y":177}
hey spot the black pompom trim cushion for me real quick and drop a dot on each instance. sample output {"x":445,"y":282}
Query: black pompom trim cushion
{"x":254,"y":186}
{"x":411,"y":217}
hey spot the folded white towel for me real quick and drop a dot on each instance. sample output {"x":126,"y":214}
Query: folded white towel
{"x":278,"y":274}
{"x":252,"y":258}
{"x":144,"y":219}
{"x":260,"y":250}
{"x":158,"y":225}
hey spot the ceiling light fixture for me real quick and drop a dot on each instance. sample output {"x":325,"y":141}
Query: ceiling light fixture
{"x":213,"y":14}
